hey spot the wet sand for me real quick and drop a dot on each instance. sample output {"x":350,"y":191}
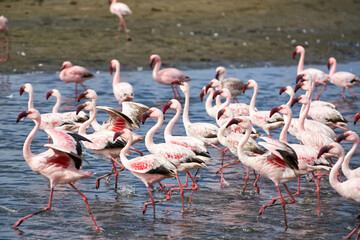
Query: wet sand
{"x":186,"y":34}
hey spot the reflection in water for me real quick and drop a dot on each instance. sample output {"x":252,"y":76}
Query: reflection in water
{"x":216,"y":212}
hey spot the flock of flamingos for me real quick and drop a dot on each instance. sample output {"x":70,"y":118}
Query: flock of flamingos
{"x":275,"y":159}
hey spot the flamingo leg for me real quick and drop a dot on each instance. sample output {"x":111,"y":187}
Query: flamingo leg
{"x":97,"y":183}
{"x":177,"y":90}
{"x":317,"y":182}
{"x":322,"y":90}
{"x":235,"y":100}
{"x":122,"y":168}
{"x":343,"y":93}
{"x":87,"y":205}
{"x":83,"y":86}
{"x":194,"y":186}
{"x":7,"y":47}
{"x":246,"y":179}
{"x":152,"y":202}
{"x":44,"y":210}
{"x":76,"y":89}
{"x":173,"y":89}
{"x":138,"y":151}
{"x":128,"y":38}
{"x":255,"y":183}
{"x":352,"y":92}
{"x":298,"y":189}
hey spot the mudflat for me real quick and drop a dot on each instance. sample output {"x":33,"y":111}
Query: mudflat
{"x":185,"y":33}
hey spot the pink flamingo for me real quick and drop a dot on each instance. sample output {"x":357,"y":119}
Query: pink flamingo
{"x":307,"y":156}
{"x":279,"y":164}
{"x":76,"y":74}
{"x":167,"y":75}
{"x":346,"y":80}
{"x":4,"y":29}
{"x":239,"y":109}
{"x":356,"y":117}
{"x":321,"y":77}
{"x":60,"y":163}
{"x":348,"y":189}
{"x":149,"y":168}
{"x":123,"y":91}
{"x":210,"y":109}
{"x":350,"y":136}
{"x":261,"y":119}
{"x":120,"y":9}
{"x":235,"y":85}
{"x":183,"y":158}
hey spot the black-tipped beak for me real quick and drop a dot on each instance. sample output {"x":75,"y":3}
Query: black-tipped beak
{"x":202,"y":94}
{"x":166,"y":106}
{"x":22,"y":89}
{"x":324,"y":149}
{"x":293,"y":54}
{"x":298,"y":86}
{"x":244,"y":88}
{"x":274,"y":110}
{"x":151,"y":64}
{"x":62,"y":68}
{"x":220,"y":113}
{"x":48,"y":94}
{"x":80,"y":107}
{"x":82,"y":95}
{"x":111,"y":70}
{"x":283,"y":89}
{"x":176,"y":82}
{"x":299,"y":77}
{"x":216,"y":93}
{"x":217,"y":75}
{"x":356,"y":118}
{"x":341,"y":137}
{"x":234,"y":121}
{"x":295,"y":100}
{"x":22,"y":115}
{"x":328,"y":66}
{"x":144,"y":116}
{"x":117,"y":134}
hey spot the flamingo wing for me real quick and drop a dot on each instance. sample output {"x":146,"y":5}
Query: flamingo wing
{"x":118,"y":120}
{"x":134,"y":111}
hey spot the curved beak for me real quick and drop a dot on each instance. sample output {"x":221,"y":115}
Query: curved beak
{"x":356,"y":118}
{"x":151,"y":64}
{"x":283,"y":89}
{"x":328,"y":65}
{"x":82,"y":95}
{"x":144,"y":116}
{"x":299,"y":77}
{"x":293,"y":54}
{"x":166,"y":106}
{"x":117,"y":134}
{"x":298,"y":86}
{"x":220,"y":113}
{"x":217,"y":75}
{"x":341,"y":137}
{"x":80,"y":107}
{"x":111,"y":70}
{"x":244,"y":88}
{"x":62,"y":68}
{"x":234,"y":121}
{"x":22,"y":115}
{"x":176,"y":82}
{"x":324,"y":149}
{"x":22,"y":89}
{"x":202,"y":94}
{"x":295,"y":100}
{"x":274,"y":110}
{"x":216,"y":93}
{"x":48,"y":94}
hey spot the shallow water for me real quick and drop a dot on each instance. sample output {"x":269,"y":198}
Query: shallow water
{"x":216,"y":212}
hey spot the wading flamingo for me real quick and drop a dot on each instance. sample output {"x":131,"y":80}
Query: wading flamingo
{"x":123,"y":91}
{"x":346,"y":80}
{"x":60,"y":163}
{"x":350,"y":136}
{"x":235,"y":85}
{"x":76,"y":74}
{"x":4,"y":30}
{"x":167,"y":75}
{"x":348,"y":189}
{"x":120,"y":9}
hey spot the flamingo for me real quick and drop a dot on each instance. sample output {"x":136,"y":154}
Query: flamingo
{"x":4,"y":29}
{"x":150,"y":168}
{"x":346,"y":80}
{"x":307,"y":156}
{"x":210,"y":109}
{"x":239,"y":109}
{"x":183,"y":158}
{"x":356,"y":117}
{"x":348,"y":189}
{"x":123,"y":91}
{"x":76,"y":74}
{"x":60,"y":164}
{"x":235,"y":85}
{"x":261,"y":118}
{"x":120,"y":9}
{"x":279,"y":164}
{"x":78,"y":119}
{"x":350,"y":136}
{"x":167,"y":75}
{"x":321,"y":77}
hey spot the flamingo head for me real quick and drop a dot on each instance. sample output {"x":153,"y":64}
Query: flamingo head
{"x":220,"y":113}
{"x":49,"y":94}
{"x":334,"y":148}
{"x":234,"y":121}
{"x":117,"y":134}
{"x":298,"y":86}
{"x":86,"y":106}
{"x":324,"y":149}
{"x":89,"y":93}
{"x":300,"y":77}
{"x":298,"y":49}
{"x":27,"y":87}
{"x":350,"y":136}
{"x":294,"y":101}
{"x":152,"y":113}
{"x":65,"y":64}
{"x":219,"y":71}
{"x":283,"y":109}
{"x":30,"y":113}
{"x":166,"y":106}
{"x":204,"y":91}
{"x":177,"y":82}
{"x":217,"y":92}
{"x":275,"y":110}
{"x":356,"y":118}
{"x":331,"y":61}
{"x":215,"y":83}
{"x":250,"y":84}
{"x":283,"y":89}
{"x":153,"y":58}
{"x":245,"y":87}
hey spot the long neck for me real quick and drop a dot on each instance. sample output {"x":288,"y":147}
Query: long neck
{"x":57,"y":104}
{"x":28,"y":155}
{"x":301,"y":62}
{"x":292,"y":95}
{"x":208,"y":103}
{"x":149,"y":138}
{"x":345,"y":165}
{"x":253,"y":99}
{"x":125,"y":150}
{"x":283,"y":134}
{"x":169,"y":126}
{"x":94,"y":123}
{"x":156,"y":69}
{"x":86,"y":124}
{"x":334,"y":182}
{"x":116,"y":78}
{"x":242,"y":142}
{"x":186,"y":120}
{"x":333,"y":68}
{"x":31,"y":100}
{"x":305,"y":108}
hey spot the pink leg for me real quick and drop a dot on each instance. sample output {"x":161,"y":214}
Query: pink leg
{"x":298,"y":189}
{"x":128,"y":38}
{"x":83,"y":86}
{"x":352,"y":92}
{"x":246,"y":179}
{"x":122,"y":168}
{"x":322,"y":90}
{"x":97,"y":182}
{"x":172,"y":87}
{"x":343,"y":94}
{"x":181,"y":193}
{"x":354,"y":230}
{"x":44,"y":210}
{"x":177,"y":90}
{"x":194,"y":186}
{"x":317,"y":182}
{"x":138,"y":151}
{"x":255,"y":184}
{"x":147,"y":203}
{"x":87,"y":205}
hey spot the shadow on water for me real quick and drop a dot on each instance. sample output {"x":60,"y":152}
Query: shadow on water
{"x":216,"y":212}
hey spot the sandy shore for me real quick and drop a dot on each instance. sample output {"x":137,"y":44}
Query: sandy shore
{"x":186,"y":34}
